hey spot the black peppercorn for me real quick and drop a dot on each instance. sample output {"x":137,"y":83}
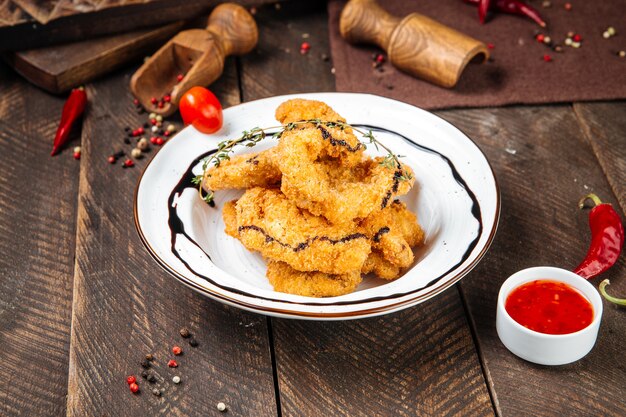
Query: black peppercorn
{"x":184,"y":332}
{"x":145,"y":363}
{"x":193,"y":342}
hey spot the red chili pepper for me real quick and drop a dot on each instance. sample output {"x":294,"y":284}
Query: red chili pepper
{"x":607,"y":238}
{"x":483,"y":8}
{"x":72,"y":110}
{"x":508,"y":6}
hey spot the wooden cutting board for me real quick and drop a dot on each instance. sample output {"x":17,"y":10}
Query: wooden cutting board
{"x":62,"y":67}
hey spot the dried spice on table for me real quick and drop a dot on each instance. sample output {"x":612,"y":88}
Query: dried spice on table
{"x":72,"y":110}
{"x":610,"y":298}
{"x":515,"y":7}
{"x":607,"y":238}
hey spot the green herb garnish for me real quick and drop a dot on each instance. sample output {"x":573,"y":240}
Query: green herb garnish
{"x":255,"y":135}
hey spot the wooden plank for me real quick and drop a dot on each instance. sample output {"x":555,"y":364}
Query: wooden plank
{"x":421,"y":361}
{"x":37,"y":235}
{"x":604,"y":125}
{"x":62,"y":67}
{"x":125,"y":306}
{"x":104,"y":21}
{"x":544,"y":165}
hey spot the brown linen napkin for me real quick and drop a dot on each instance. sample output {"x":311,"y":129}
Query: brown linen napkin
{"x":517,"y":73}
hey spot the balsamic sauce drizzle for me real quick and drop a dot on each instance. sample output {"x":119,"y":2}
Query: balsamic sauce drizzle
{"x":302,"y":245}
{"x":178,"y":228}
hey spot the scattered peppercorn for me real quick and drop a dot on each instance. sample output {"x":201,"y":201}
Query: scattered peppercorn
{"x":180,"y":77}
{"x":144,"y":374}
{"x":184,"y":332}
{"x":167,"y":98}
{"x":490,"y":45}
{"x":153,"y":100}
{"x":151,"y":378}
{"x":540,"y":37}
{"x":128,"y":163}
{"x":136,"y":153}
{"x":131,"y":379}
{"x":155,"y":129}
{"x":611,"y":30}
{"x":144,"y":363}
{"x":76,"y":155}
{"x":221,"y":406}
{"x":621,"y":54}
{"x":176,"y":379}
{"x":143,"y":145}
{"x":193,"y":342}
{"x":111,"y":159}
{"x":546,"y":3}
{"x":568,"y":6}
{"x":171,"y":128}
{"x":136,"y":102}
{"x":575,"y":44}
{"x":547,"y":58}
{"x":304,"y":47}
{"x":159,"y":141}
{"x":577,"y":38}
{"x":156,"y":392}
{"x":134,"y":388}
{"x":568,"y":41}
{"x":547,"y":40}
{"x":558,"y":48}
{"x":177,"y":350}
{"x":172,"y":363}
{"x":128,"y":129}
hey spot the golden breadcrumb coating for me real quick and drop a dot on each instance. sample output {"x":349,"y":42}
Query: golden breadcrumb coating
{"x":244,"y":171}
{"x":229,"y":214}
{"x":322,"y":141}
{"x":393,"y":232}
{"x":311,"y":284}
{"x":298,"y":109}
{"x":273,"y":225}
{"x":341,"y":195}
{"x":381,"y":267}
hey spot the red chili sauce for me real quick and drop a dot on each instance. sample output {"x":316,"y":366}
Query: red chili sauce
{"x":550,"y":307}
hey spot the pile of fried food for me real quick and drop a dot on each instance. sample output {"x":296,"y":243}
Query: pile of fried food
{"x":317,"y":208}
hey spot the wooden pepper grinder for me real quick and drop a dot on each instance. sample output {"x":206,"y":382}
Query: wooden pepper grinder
{"x":196,"y":55}
{"x":415,"y":44}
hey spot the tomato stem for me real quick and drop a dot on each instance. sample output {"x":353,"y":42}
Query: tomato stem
{"x":615,"y":300}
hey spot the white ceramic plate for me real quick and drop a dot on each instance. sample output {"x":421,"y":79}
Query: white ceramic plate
{"x":455,"y":196}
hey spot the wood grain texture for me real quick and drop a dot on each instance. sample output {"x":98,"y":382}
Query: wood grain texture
{"x":415,"y":43}
{"x":37,"y":225}
{"x":107,"y":21}
{"x":604,"y":126}
{"x":278,"y":67}
{"x":421,"y":361}
{"x":544,"y":165}
{"x":125,"y":306}
{"x":62,"y":67}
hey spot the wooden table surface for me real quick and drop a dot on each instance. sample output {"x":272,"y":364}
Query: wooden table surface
{"x":81,"y":301}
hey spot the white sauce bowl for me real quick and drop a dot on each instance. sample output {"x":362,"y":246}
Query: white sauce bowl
{"x":541,"y":348}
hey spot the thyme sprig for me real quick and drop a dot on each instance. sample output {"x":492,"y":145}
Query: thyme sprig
{"x":255,"y":135}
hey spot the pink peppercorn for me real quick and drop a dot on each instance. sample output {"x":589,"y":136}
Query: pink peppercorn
{"x":172,"y":363}
{"x":540,"y":37}
{"x":76,"y":155}
{"x":134,"y":388}
{"x":131,"y":380}
{"x":177,"y":350}
{"x":111,"y":159}
{"x":380,"y":58}
{"x":153,"y":100}
{"x":167,"y":98}
{"x":547,"y":58}
{"x":490,"y":46}
{"x":180,"y":77}
{"x":129,"y":163}
{"x":577,"y":38}
{"x":159,"y":141}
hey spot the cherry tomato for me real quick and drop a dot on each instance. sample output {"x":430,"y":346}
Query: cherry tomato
{"x":200,"y":108}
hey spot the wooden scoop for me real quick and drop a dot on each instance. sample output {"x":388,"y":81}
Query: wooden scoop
{"x":196,"y":54}
{"x":415,"y":44}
